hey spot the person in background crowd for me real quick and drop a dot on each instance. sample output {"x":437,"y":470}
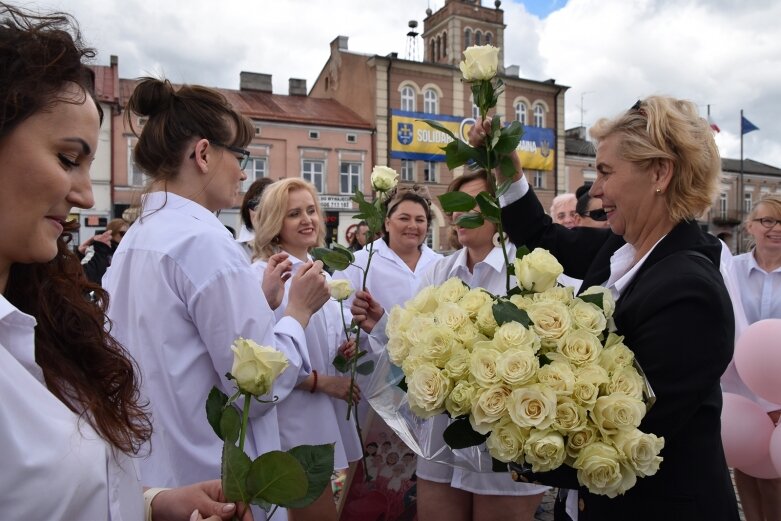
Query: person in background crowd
{"x":98,"y":249}
{"x":71,"y":418}
{"x":249,"y":209}
{"x":360,"y":236}
{"x":590,"y":212}
{"x":658,"y":168}
{"x":183,"y":290}
{"x":563,"y":212}
{"x":757,"y":278}
{"x":291,"y":222}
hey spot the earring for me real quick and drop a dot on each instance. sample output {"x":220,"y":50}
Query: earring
{"x":658,"y":191}
{"x":496,"y":240}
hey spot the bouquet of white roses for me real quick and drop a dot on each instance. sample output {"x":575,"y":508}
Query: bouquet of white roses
{"x":537,"y":376}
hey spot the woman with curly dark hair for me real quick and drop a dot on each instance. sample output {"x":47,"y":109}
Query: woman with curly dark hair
{"x":70,"y":414}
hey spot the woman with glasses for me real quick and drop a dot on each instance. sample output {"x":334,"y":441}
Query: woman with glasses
{"x":249,"y":210}
{"x":757,"y":277}
{"x":590,"y":211}
{"x":183,"y":290}
{"x":658,"y":169}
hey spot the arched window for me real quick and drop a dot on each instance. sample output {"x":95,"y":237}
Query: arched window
{"x":408,"y":99}
{"x":430,"y":102}
{"x":444,"y":43}
{"x":433,"y":50}
{"x":520,"y":112}
{"x":539,"y":116}
{"x":467,"y":38}
{"x":478,"y":38}
{"x":439,"y":48}
{"x":488,"y":39}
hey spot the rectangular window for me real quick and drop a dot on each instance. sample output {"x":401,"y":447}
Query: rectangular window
{"x":408,"y":170}
{"x":539,"y":179}
{"x":723,"y":205}
{"x":313,"y":171}
{"x":352,"y":138}
{"x":135,"y":176}
{"x":747,"y":202}
{"x":256,"y":169}
{"x":314,"y":134}
{"x":350,"y":177}
{"x":429,"y":172}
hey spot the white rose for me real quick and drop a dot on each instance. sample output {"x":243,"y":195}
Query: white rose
{"x":544,"y":450}
{"x":641,"y":450}
{"x":608,"y":303}
{"x":459,"y":401}
{"x":469,"y":335}
{"x":577,"y":440}
{"x":411,"y":364}
{"x":438,"y":344}
{"x":424,"y":302}
{"x":514,"y":334}
{"x":399,"y":320}
{"x":523,"y":302}
{"x":452,"y":290}
{"x":486,"y":322}
{"x":384,"y":178}
{"x":557,"y":376}
{"x":617,"y":412}
{"x":588,"y":316}
{"x":507,"y":441}
{"x":482,"y":366}
{"x":570,"y":416}
{"x":588,"y":380}
{"x":580,"y":347}
{"x":551,"y":322}
{"x":628,"y":381}
{"x":474,"y":300}
{"x":602,"y":469}
{"x":615,"y":354}
{"x":563,"y":294}
{"x":480,"y":62}
{"x":532,"y":406}
{"x":398,"y":349}
{"x":451,"y":315}
{"x":255,"y":367}
{"x":340,"y":289}
{"x":427,"y":389}
{"x":488,"y":408}
{"x":457,"y":368}
{"x":517,"y":366}
{"x":537,"y":271}
{"x":419,"y":324}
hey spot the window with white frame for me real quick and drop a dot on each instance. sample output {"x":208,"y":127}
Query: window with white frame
{"x":429,"y":171}
{"x":135,"y":176}
{"x":408,"y":99}
{"x":520,"y":112}
{"x":408,"y":170}
{"x":313,"y":170}
{"x":256,"y":169}
{"x":723,"y":205}
{"x":350,"y":173}
{"x":430,"y":102}
{"x":539,"y":116}
{"x":747,"y":202}
{"x":539,"y":179}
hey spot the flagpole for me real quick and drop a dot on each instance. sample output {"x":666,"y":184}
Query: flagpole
{"x":741,"y":199}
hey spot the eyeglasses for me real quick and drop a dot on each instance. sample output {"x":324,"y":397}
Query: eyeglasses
{"x":767,"y":222}
{"x":253,"y":203}
{"x":637,"y":108}
{"x":597,"y":215}
{"x":243,"y":159}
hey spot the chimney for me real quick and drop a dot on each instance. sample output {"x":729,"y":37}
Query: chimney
{"x":255,"y":81}
{"x":512,"y":70}
{"x":296,"y":87}
{"x":339,"y":43}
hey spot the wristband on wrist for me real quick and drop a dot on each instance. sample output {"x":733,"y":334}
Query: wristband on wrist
{"x":149,"y":495}
{"x":314,"y":384}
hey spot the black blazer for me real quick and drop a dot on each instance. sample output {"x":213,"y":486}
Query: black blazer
{"x":677,"y":317}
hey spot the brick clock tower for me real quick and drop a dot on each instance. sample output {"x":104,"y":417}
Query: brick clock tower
{"x":460,"y":24}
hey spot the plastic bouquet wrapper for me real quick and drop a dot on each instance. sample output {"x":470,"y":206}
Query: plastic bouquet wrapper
{"x":535,"y":378}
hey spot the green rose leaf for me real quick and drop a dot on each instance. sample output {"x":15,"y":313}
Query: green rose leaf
{"x":470,"y":220}
{"x":276,"y":477}
{"x":594,"y":298}
{"x":341,"y":363}
{"x":437,"y":126}
{"x":511,"y":136}
{"x":318,"y":464}
{"x":460,"y":434}
{"x":215,"y":403}
{"x":503,"y":186}
{"x":365,"y":368}
{"x":402,"y":384}
{"x":230,"y":424}
{"x":496,"y":125}
{"x":488,"y":207}
{"x":506,"y":311}
{"x":334,"y":259}
{"x":234,"y":468}
{"x":506,"y":168}
{"x":344,"y":251}
{"x":457,"y":202}
{"x":521,"y":252}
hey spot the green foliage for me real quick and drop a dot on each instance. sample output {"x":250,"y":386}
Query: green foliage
{"x":341,"y":363}
{"x":470,"y":220}
{"x":441,"y":128}
{"x":594,"y":298}
{"x":365,"y":368}
{"x":460,"y":434}
{"x":521,"y":252}
{"x":335,"y":259}
{"x":457,"y":202}
{"x":318,"y":464}
{"x":506,"y":311}
{"x":235,"y":467}
{"x":215,"y":403}
{"x":489,"y":208}
{"x":230,"y":424}
{"x":276,"y":477}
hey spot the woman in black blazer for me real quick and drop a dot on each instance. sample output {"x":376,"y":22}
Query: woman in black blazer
{"x":658,"y":169}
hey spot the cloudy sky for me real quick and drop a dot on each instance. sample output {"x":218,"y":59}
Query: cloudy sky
{"x":720,"y":53}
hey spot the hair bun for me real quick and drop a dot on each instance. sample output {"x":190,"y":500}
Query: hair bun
{"x":151,"y":96}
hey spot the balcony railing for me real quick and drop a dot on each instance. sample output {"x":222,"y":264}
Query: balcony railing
{"x":728,"y":218}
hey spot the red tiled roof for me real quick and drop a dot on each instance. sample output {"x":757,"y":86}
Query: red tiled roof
{"x":265,"y":106}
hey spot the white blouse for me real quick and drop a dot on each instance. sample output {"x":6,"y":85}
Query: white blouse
{"x":302,"y":410}
{"x":181,"y":292}
{"x":54,"y":465}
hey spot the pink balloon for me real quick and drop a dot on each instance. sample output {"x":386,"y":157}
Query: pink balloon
{"x":764,"y":469}
{"x":775,"y":448}
{"x":745,"y":431}
{"x":758,"y":358}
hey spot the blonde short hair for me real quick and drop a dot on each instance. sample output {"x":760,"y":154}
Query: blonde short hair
{"x":664,"y":128}
{"x":772,"y":202}
{"x":273,"y":207}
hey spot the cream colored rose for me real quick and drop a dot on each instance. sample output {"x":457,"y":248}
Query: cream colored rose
{"x":626,"y":380}
{"x":517,"y":366}
{"x":580,"y":347}
{"x":522,"y":301}
{"x":588,"y":316}
{"x":482,"y":366}
{"x":411,"y":364}
{"x":602,"y":470}
{"x":480,"y":62}
{"x":399,"y":320}
{"x":641,"y":450}
{"x":469,"y":335}
{"x":438,"y":345}
{"x":384,"y":178}
{"x":507,"y":441}
{"x":558,"y":376}
{"x":427,"y":389}
{"x":452,"y":290}
{"x":255,"y":367}
{"x":551,"y":322}
{"x":537,"y":271}
{"x":424,"y":301}
{"x":398,"y":349}
{"x":474,"y":300}
{"x":576,"y":440}
{"x":544,"y":450}
{"x":563,"y":294}
{"x":459,"y":401}
{"x":418,"y":326}
{"x":617,"y":412}
{"x":457,"y":368}
{"x":615,"y":354}
{"x":451,"y":315}
{"x":514,"y":334}
{"x":588,"y":382}
{"x":570,"y":416}
{"x":486,"y":323}
{"x":488,"y":407}
{"x":608,"y":303}
{"x":340,"y":289}
{"x":532,"y":406}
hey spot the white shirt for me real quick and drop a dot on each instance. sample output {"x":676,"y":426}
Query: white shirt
{"x":54,"y":465}
{"x":302,"y":410}
{"x":489,"y":274}
{"x":181,"y":292}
